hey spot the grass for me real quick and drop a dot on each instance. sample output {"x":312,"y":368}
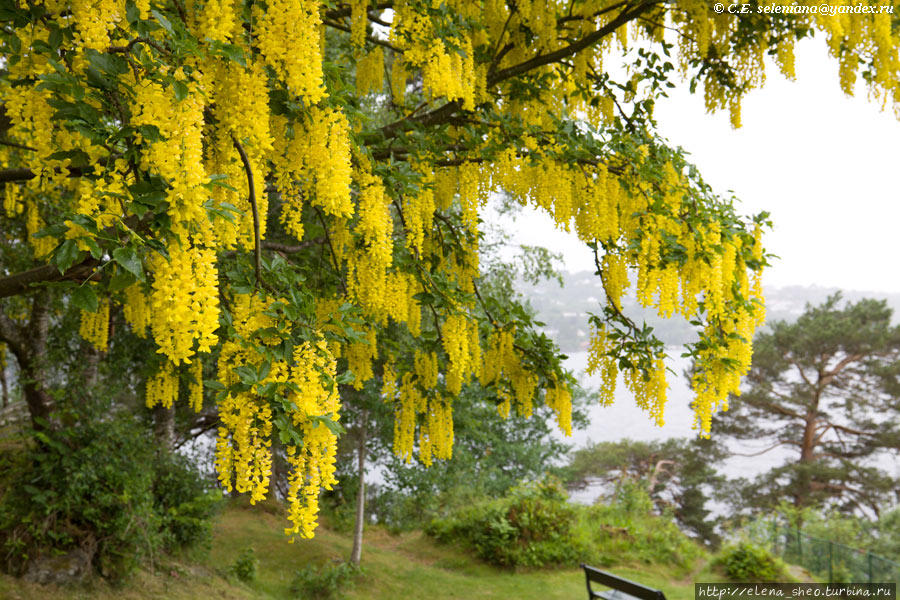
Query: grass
{"x":409,"y":565}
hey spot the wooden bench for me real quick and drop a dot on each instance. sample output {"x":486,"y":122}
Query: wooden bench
{"x":621,"y":589}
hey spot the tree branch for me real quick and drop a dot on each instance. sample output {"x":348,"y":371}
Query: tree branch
{"x":257,"y":248}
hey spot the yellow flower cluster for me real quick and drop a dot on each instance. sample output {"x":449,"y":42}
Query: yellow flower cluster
{"x":358,"y":21}
{"x":95,"y":19}
{"x":313,"y":463}
{"x":600,"y":361}
{"x":12,"y":200}
{"x":436,"y":429}
{"x":162,"y":388}
{"x":136,"y":309}
{"x":313,"y":163}
{"x":243,"y":445}
{"x":239,"y":95}
{"x":195,"y":392}
{"x":370,"y":72}
{"x":450,"y":74}
{"x":184,"y":302}
{"x":559,"y":399}
{"x":95,"y":326}
{"x":179,"y":155}
{"x":406,"y":405}
{"x":360,"y":356}
{"x":425,"y":365}
{"x":368,"y":267}
{"x":418,"y":212}
{"x":500,"y":356}
{"x":288,"y":37}
{"x":213,"y":19}
{"x":436,"y":432}
{"x":460,"y":341}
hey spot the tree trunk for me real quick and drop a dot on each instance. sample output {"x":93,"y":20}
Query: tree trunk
{"x":164,"y":427}
{"x":356,"y":553}
{"x":4,"y":387}
{"x":31,"y":353}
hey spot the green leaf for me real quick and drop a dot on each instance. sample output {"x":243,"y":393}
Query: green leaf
{"x":84,"y":298}
{"x":66,"y":255}
{"x":129,"y":260}
{"x":181,"y":90}
{"x":120,"y":280}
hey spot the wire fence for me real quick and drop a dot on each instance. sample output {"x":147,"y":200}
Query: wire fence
{"x":830,"y":561}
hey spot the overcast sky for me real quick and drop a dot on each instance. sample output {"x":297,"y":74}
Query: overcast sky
{"x":823,"y":164}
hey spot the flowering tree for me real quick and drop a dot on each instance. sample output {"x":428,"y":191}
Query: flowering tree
{"x":287,"y":186}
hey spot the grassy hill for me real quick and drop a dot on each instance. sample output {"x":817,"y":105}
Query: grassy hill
{"x":408,"y":565}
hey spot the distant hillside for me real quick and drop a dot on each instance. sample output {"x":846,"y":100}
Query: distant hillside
{"x":565,"y":309}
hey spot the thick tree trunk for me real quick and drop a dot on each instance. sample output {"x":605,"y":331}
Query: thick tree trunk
{"x":807,"y":451}
{"x":29,"y":345}
{"x":356,"y":552}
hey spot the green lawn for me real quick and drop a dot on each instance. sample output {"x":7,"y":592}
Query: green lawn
{"x":407,"y":566}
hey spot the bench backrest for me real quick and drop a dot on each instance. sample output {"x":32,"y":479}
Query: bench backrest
{"x":618,"y":583}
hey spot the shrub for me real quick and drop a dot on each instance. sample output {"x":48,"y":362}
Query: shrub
{"x":535,"y":526}
{"x":99,"y":486}
{"x":749,"y":562}
{"x":531,"y":527}
{"x":184,"y":501}
{"x":245,"y":565}
{"x":323,"y":582}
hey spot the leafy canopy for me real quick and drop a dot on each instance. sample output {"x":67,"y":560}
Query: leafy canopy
{"x":280,"y":185}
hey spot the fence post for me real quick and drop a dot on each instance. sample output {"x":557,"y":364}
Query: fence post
{"x":830,"y":561}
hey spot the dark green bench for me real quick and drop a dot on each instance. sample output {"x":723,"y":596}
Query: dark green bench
{"x":620,"y":589}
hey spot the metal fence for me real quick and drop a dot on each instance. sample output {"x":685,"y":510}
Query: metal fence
{"x":830,"y":561}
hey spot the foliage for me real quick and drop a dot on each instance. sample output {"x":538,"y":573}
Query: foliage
{"x":531,"y":527}
{"x":535,"y":526}
{"x":185,"y":502}
{"x":679,"y":475}
{"x":325,"y":582}
{"x":289,"y":188}
{"x":887,"y":538}
{"x":245,"y":565}
{"x":748,"y":562}
{"x":491,"y":456}
{"x":98,"y":485}
{"x":825,"y":388}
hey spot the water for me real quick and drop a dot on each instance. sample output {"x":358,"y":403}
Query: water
{"x":625,"y":420}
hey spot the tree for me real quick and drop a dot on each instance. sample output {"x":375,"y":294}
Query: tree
{"x":826,"y":389}
{"x":240,"y":179}
{"x":679,"y":475}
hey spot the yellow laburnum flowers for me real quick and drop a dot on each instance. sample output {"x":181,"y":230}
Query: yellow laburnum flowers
{"x":162,"y":388}
{"x":313,"y":463}
{"x":184,"y":302}
{"x":298,"y":63}
{"x":95,"y":326}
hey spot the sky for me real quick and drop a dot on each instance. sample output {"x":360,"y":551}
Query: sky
{"x":823,"y":164}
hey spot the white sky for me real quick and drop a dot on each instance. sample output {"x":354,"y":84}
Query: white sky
{"x":824,"y":165}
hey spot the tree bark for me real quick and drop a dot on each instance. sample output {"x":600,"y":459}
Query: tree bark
{"x":164,"y":427}
{"x":4,"y":387}
{"x":356,"y":552}
{"x":29,"y":345}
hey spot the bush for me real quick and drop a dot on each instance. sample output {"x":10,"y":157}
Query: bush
{"x":99,"y":486}
{"x":245,"y":565}
{"x":323,"y":583}
{"x":531,"y":527}
{"x":184,"y":501}
{"x":749,"y":562}
{"x":535,"y":526}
